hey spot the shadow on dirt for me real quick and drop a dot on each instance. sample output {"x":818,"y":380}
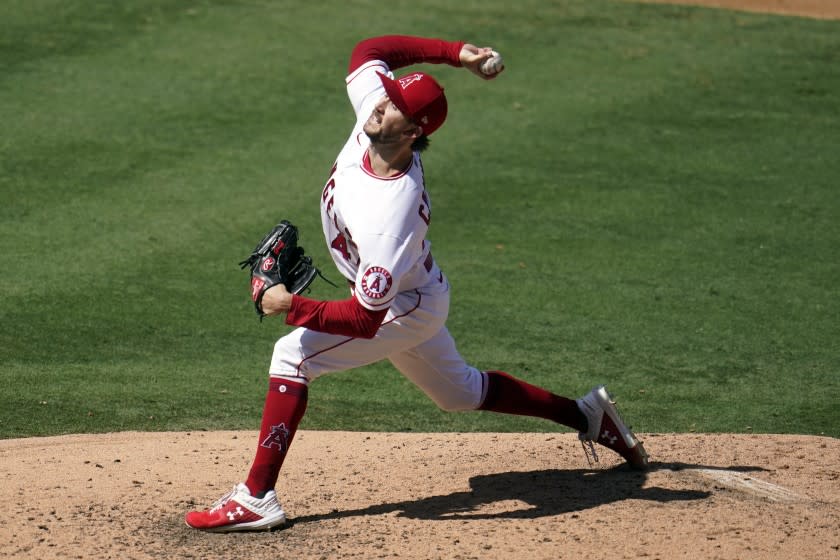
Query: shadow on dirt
{"x":546,"y":493}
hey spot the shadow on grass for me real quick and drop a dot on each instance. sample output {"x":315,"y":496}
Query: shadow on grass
{"x":546,"y":493}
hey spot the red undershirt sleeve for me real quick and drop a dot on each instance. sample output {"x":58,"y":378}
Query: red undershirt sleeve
{"x":399,"y":51}
{"x":345,"y":317}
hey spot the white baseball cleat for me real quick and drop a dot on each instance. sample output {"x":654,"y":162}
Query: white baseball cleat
{"x":607,"y":428}
{"x":239,"y":511}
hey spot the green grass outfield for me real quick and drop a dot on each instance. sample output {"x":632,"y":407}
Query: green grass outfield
{"x":647,"y":197}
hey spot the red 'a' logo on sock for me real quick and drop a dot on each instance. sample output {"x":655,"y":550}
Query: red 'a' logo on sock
{"x":278,"y":437}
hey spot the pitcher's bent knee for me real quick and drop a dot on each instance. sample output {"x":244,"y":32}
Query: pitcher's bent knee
{"x":465,"y":395}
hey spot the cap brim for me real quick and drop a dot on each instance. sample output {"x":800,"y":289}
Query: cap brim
{"x":394,"y":92}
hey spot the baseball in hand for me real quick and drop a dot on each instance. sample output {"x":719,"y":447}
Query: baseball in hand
{"x":492,"y":65}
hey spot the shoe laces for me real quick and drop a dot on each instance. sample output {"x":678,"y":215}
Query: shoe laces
{"x":591,"y":454}
{"x":220,"y":503}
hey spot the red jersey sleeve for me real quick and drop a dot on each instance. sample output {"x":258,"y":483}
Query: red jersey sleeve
{"x":344,"y":317}
{"x":399,"y":51}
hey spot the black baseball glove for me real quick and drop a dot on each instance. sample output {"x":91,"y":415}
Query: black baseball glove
{"x":278,"y":259}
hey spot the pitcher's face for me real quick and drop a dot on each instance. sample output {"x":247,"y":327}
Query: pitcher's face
{"x":388,"y":125}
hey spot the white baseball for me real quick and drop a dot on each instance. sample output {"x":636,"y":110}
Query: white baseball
{"x":492,"y":65}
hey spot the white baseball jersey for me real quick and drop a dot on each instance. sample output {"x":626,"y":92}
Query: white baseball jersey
{"x":376,"y":227}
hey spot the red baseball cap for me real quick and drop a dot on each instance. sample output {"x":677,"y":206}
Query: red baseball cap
{"x":419,"y":97}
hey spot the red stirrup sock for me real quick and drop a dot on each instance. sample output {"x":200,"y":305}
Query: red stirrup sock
{"x":285,"y":405}
{"x":509,"y":395}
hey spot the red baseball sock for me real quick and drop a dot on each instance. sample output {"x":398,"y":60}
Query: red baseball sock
{"x":285,"y":404}
{"x":509,"y":395}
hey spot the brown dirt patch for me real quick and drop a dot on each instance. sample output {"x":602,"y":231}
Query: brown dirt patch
{"x":425,"y":496}
{"x":821,"y":9}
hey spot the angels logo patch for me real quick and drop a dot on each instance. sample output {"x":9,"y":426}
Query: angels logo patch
{"x":376,"y":282}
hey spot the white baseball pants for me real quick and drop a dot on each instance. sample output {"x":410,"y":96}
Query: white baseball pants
{"x":413,"y":337}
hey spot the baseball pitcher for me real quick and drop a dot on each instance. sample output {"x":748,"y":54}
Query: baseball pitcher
{"x":375,"y":214}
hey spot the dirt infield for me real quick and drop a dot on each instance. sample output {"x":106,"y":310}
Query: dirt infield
{"x":422,"y":496}
{"x":432,"y":496}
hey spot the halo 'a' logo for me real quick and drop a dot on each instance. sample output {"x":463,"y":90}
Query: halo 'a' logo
{"x":267,"y":264}
{"x":279,"y":438}
{"x":376,"y":282}
{"x":406,"y":81}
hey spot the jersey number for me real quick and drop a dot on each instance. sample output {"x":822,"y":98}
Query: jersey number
{"x":342,"y":245}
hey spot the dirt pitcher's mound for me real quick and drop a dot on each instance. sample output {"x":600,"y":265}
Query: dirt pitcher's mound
{"x":425,"y":496}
